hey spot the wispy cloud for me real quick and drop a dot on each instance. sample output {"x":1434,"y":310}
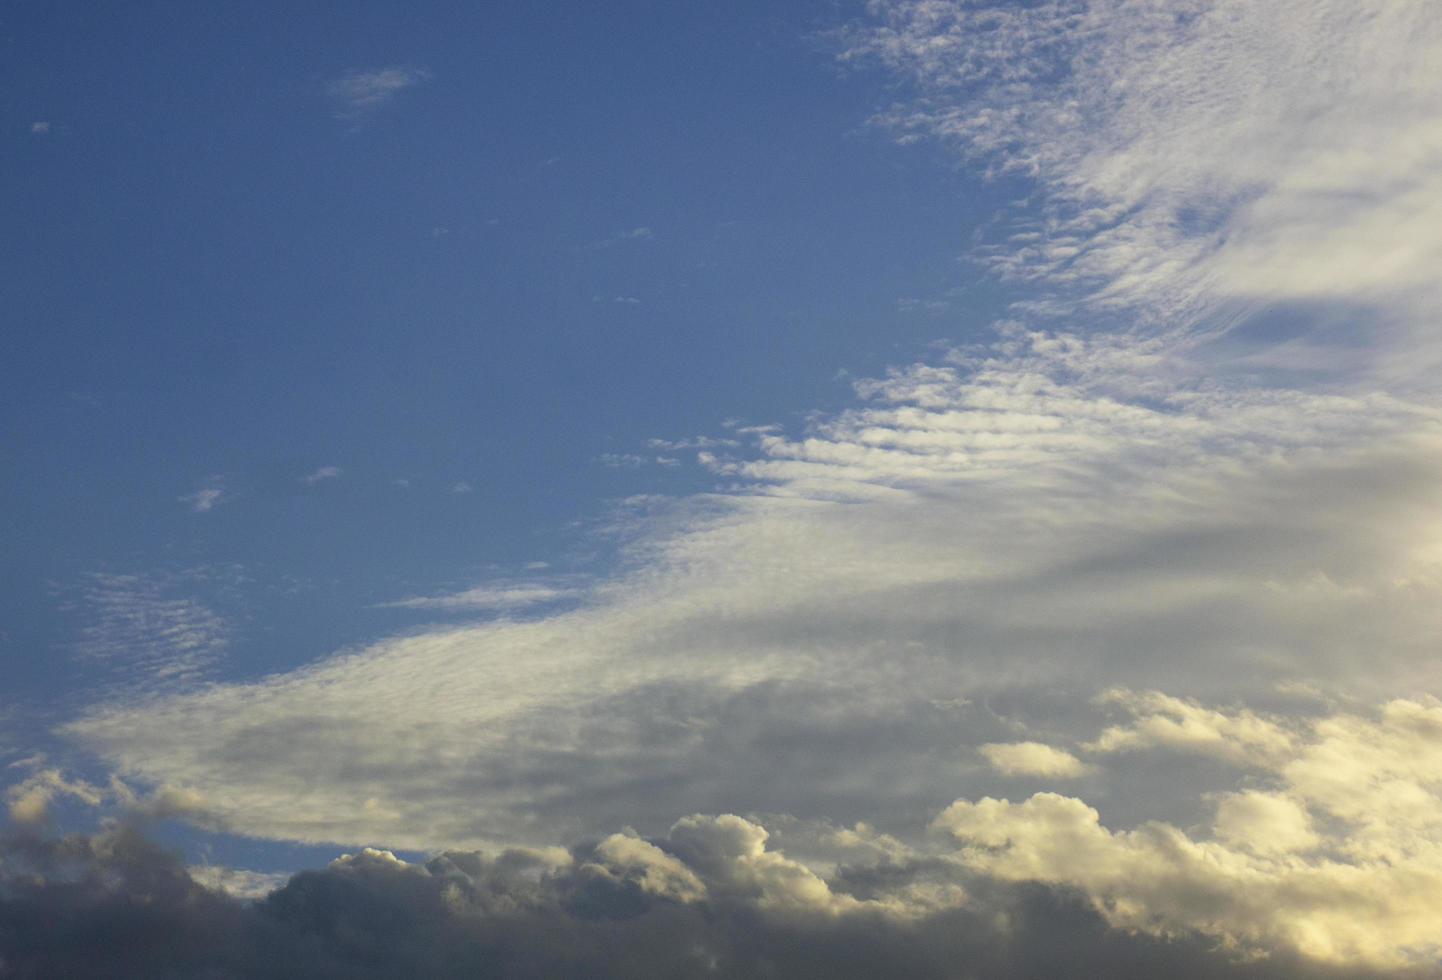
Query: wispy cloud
{"x":638,"y":234}
{"x":321,"y":474}
{"x":1193,"y":155}
{"x":358,"y":93}
{"x":147,"y":629}
{"x":495,"y":597}
{"x":206,"y":497}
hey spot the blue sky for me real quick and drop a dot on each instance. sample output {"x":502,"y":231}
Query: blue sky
{"x":542,"y":250}
{"x":230,"y":276}
{"x":854,"y":457}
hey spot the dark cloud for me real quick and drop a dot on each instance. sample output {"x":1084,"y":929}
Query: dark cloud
{"x":115,"y":905}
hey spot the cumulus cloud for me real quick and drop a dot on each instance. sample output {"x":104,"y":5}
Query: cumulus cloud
{"x":1032,"y":759}
{"x":623,"y":908}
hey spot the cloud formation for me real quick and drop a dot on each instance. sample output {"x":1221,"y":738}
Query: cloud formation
{"x":1196,"y":474}
{"x":1196,"y":154}
{"x":708,"y":899}
{"x":148,"y":629}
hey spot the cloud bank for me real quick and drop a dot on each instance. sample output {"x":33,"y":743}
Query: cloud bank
{"x":709,"y":899}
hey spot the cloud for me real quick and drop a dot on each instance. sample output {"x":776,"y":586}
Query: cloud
{"x":358,"y":93}
{"x":702,"y":900}
{"x":485,"y":598}
{"x":321,"y":474}
{"x":28,"y":801}
{"x":1142,"y":487}
{"x":1197,"y":157}
{"x":695,"y":442}
{"x":207,"y":497}
{"x":41,"y":128}
{"x":1001,"y":526}
{"x":1032,"y":759}
{"x":144,"y":629}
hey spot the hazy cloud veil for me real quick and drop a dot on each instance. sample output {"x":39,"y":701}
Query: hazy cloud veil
{"x":1107,"y":646}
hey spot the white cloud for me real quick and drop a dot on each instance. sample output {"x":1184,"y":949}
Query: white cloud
{"x":321,"y":474}
{"x":1337,"y":858}
{"x":29,"y":800}
{"x":1197,"y":154}
{"x":357,"y":93}
{"x":489,"y":597}
{"x":40,"y":128}
{"x":207,"y":497}
{"x":237,"y":882}
{"x":147,"y":629}
{"x":1032,"y":759}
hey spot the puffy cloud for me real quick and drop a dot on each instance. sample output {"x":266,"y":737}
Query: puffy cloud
{"x":1156,"y":878}
{"x":1032,"y":759}
{"x":1337,"y":858}
{"x":29,"y":800}
{"x":526,"y":914}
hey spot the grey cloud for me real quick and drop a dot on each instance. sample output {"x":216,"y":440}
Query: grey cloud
{"x":117,"y":906}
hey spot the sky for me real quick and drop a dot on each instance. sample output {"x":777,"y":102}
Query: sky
{"x":915,"y":487}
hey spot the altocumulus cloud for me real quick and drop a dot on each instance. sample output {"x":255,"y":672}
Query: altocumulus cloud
{"x":1141,"y":530}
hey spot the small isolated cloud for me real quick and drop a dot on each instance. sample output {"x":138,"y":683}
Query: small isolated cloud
{"x":206,"y":497}
{"x":631,"y":461}
{"x":461,"y":486}
{"x":619,"y":300}
{"x":1032,"y":759}
{"x":359,"y":92}
{"x":638,"y":234}
{"x":40,"y":128}
{"x":321,"y":474}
